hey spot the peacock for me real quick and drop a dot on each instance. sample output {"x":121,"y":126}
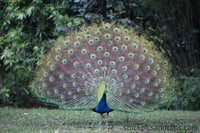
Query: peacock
{"x":104,"y":67}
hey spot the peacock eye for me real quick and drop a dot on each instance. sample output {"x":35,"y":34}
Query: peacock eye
{"x":106,"y":54}
{"x":136,"y":66}
{"x":84,"y":51}
{"x":126,"y":39}
{"x":100,"y":78}
{"x":58,"y":49}
{"x":112,"y":63}
{"x":125,"y":76}
{"x":96,"y":71}
{"x":100,"y":48}
{"x":117,"y":38}
{"x":88,"y":65}
{"x":70,"y":51}
{"x":84,"y":76}
{"x":64,"y":85}
{"x":76,"y":63}
{"x":114,"y":71}
{"x":107,"y":36}
{"x":115,"y":49}
{"x":109,"y":43}
{"x":124,"y":68}
{"x":66,"y":43}
{"x":100,"y":62}
{"x":130,"y":55}
{"x":79,"y":39}
{"x":51,"y":79}
{"x":107,"y":78}
{"x":93,"y":56}
{"x":91,"y":42}
{"x":73,"y":75}
{"x":88,"y":36}
{"x":96,"y":40}
{"x":121,"y":58}
{"x":113,"y":80}
{"x":104,"y":68}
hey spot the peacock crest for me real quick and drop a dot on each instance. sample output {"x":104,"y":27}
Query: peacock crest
{"x":81,"y":66}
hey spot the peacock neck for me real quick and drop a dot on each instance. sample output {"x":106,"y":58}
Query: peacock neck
{"x":102,"y":106}
{"x":104,"y":99}
{"x":102,"y":102}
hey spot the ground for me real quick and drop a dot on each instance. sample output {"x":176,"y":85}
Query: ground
{"x":14,"y":120}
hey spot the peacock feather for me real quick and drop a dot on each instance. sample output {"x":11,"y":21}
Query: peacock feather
{"x":107,"y":68}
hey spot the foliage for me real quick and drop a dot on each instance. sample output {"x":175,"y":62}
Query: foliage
{"x":181,"y":38}
{"x":26,"y":27}
{"x":180,"y":23}
{"x":4,"y":93}
{"x":188,"y":93}
{"x":138,"y":14}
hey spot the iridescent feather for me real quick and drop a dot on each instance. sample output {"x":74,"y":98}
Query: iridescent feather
{"x":81,"y":66}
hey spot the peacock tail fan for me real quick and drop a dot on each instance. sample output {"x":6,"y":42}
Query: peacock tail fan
{"x":83,"y":64}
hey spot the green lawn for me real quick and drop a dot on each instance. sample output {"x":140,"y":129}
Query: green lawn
{"x":61,"y":121}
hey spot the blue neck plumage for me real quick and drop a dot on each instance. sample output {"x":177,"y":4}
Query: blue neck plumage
{"x":102,"y":106}
{"x":103,"y":100}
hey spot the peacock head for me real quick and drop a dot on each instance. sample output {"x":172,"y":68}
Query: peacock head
{"x":105,"y":91}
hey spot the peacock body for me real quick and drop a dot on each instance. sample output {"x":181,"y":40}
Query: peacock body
{"x":104,"y":68}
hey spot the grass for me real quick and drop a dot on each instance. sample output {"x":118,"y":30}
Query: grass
{"x":14,"y":120}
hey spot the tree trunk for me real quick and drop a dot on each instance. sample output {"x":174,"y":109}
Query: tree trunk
{"x":1,"y":81}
